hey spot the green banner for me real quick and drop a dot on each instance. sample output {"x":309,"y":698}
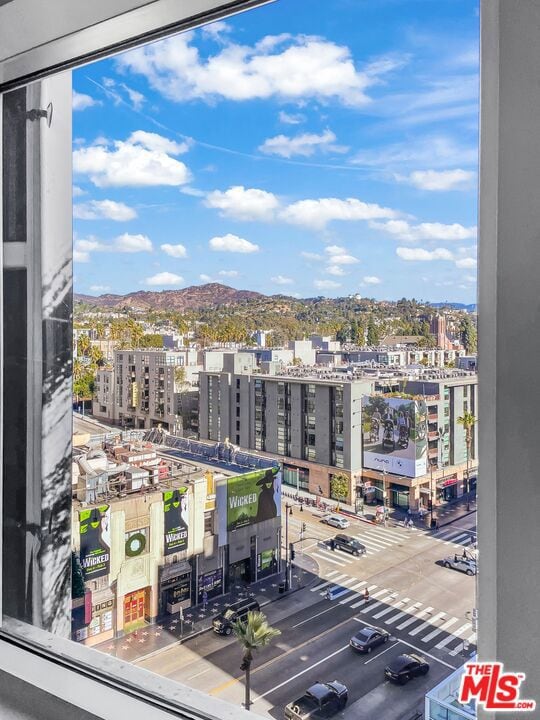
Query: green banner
{"x":253,"y":498}
{"x":175,"y":508}
{"x":95,"y":536}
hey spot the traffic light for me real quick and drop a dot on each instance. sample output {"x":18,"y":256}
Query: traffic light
{"x":304,"y":526}
{"x":291,"y":551}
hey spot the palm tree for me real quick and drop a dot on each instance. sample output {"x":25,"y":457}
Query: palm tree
{"x":468,"y":421}
{"x":252,"y":634}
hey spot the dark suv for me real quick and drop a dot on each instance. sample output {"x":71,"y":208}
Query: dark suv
{"x":348,"y":544}
{"x":223,"y":622}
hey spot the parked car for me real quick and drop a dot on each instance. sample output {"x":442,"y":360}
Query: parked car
{"x":223,"y":623}
{"x":405,"y":667}
{"x":322,"y":700}
{"x":348,"y":544}
{"x":368,"y":638}
{"x":463,"y":563}
{"x":336,"y":521}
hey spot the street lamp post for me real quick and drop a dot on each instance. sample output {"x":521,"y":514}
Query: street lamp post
{"x":288,"y":566}
{"x":431,"y":492}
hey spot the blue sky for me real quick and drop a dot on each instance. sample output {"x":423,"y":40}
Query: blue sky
{"x":306,"y":148}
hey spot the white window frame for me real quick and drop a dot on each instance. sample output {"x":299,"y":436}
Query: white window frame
{"x":87,"y":679}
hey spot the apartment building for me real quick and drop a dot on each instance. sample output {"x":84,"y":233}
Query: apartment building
{"x":146,"y":388}
{"x":312,"y":420}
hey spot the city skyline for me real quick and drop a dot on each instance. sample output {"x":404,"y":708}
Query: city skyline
{"x":354,"y":174}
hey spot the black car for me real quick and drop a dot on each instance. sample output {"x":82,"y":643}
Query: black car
{"x":348,"y":544}
{"x":322,"y":700}
{"x":368,"y":638}
{"x":405,"y":667}
{"x":223,"y":623}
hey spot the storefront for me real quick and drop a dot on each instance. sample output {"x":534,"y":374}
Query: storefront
{"x":296,"y":477}
{"x":267,"y":563}
{"x":399,"y":496}
{"x":211,"y":584}
{"x":175,"y":587}
{"x":447,"y":488}
{"x":101,"y":626}
{"x":240,"y":572}
{"x":136,"y":609}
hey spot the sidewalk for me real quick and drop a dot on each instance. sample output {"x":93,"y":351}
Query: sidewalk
{"x":170,"y":630}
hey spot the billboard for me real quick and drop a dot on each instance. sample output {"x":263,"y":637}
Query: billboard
{"x":95,"y":537}
{"x":253,"y":497}
{"x":394,"y":434}
{"x":175,"y":510}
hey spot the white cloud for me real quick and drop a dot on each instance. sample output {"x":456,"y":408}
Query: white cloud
{"x":318,"y":213}
{"x":435,"y":151}
{"x":80,"y":256}
{"x":164,"y":278}
{"x":229,"y":273}
{"x":336,"y":270}
{"x":144,"y":159}
{"x":80,"y":101}
{"x":104,"y":210}
{"x":99,"y":288}
{"x":205,"y":278}
{"x":282,"y":280}
{"x":90,"y":245}
{"x":291,"y":118}
{"x":284,"y":67}
{"x":303,"y":145}
{"x":440,"y":180}
{"x":136,"y":98}
{"x":326,"y":284}
{"x":425,"y":231}
{"x":127,"y":243}
{"x":193,"y":192}
{"x":175,"y":251}
{"x":77,"y":191}
{"x":468,"y":263}
{"x":311,"y":255}
{"x":371,"y":280}
{"x":413,"y":254}
{"x":215,"y":30}
{"x":232,"y":243}
{"x":339,"y":256}
{"x":244,"y":203}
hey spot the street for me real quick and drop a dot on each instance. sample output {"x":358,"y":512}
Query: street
{"x":425,"y":606}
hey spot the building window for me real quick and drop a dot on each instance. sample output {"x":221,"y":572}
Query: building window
{"x":208,"y":523}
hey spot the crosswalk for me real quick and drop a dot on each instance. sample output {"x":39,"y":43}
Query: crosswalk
{"x":422,"y":622}
{"x":375,"y":539}
{"x":455,"y":536}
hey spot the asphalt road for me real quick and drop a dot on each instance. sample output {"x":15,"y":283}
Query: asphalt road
{"x":425,"y":606}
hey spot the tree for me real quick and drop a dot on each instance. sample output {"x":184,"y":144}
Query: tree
{"x":339,"y":487}
{"x":469,"y":338}
{"x":252,"y":635}
{"x":372,"y":332}
{"x":83,"y":345}
{"x":467,"y":421}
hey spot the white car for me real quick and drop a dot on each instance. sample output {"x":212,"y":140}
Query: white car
{"x":463,"y":563}
{"x":336,"y":521}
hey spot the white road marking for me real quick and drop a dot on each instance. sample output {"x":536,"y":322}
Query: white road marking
{"x":428,"y":623}
{"x":423,"y":652}
{"x":455,"y":635}
{"x":335,"y":562}
{"x":354,"y":587}
{"x":362,"y":601}
{"x":371,"y":606}
{"x":391,"y":607}
{"x":379,"y":654}
{"x":305,"y":670}
{"x":397,"y":617}
{"x":192,"y":677}
{"x":416,"y":616}
{"x":439,"y":630}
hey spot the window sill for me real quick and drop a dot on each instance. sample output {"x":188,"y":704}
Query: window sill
{"x":100,"y":684}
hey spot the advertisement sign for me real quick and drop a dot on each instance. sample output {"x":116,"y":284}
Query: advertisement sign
{"x":394,"y":433}
{"x":253,"y":498}
{"x":95,"y":535}
{"x":211,"y":583}
{"x":175,"y":509}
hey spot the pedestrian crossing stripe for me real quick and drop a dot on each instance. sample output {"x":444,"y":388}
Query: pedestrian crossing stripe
{"x":335,"y":562}
{"x":401,"y":614}
{"x":332,"y":555}
{"x":439,"y":630}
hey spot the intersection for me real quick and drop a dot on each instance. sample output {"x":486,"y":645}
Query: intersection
{"x":426,"y":607}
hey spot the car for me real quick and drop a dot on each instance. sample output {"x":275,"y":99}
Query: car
{"x":336,"y":521}
{"x":463,"y":563}
{"x":322,"y":700}
{"x":368,"y":638}
{"x":348,"y":544}
{"x":222,"y":624}
{"x":405,"y":667}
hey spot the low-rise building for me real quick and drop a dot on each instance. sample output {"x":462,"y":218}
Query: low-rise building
{"x":153,"y":543}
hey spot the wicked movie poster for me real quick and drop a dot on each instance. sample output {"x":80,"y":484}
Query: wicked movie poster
{"x":175,"y":508}
{"x":95,"y":534}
